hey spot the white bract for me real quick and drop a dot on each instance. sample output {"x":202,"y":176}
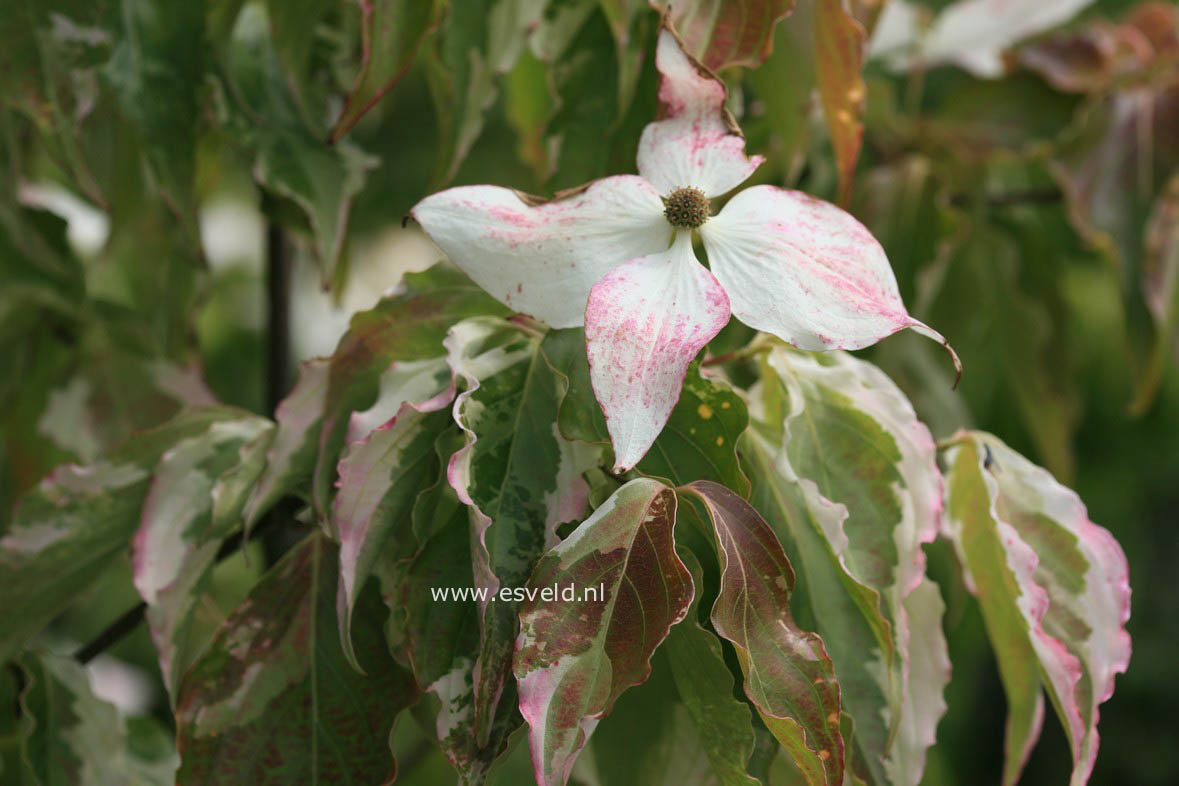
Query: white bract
{"x":617,"y":257}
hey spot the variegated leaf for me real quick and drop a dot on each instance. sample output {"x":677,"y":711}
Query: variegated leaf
{"x":178,"y":539}
{"x":382,"y":473}
{"x":574,"y":657}
{"x":441,"y":637}
{"x":315,"y":419}
{"x":273,"y":699}
{"x":519,"y":476}
{"x":788,"y":675}
{"x":73,"y":737}
{"x":1054,"y":591}
{"x":291,"y":455}
{"x":849,"y":475}
{"x":723,"y":33}
{"x":66,"y":530}
{"x":409,"y":325}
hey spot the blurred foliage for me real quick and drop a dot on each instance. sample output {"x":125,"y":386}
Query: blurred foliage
{"x":1032,"y":218}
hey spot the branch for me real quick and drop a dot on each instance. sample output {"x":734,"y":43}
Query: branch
{"x":130,"y":619}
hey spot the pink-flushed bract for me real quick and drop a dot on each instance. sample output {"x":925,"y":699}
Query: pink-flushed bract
{"x":606,"y":257}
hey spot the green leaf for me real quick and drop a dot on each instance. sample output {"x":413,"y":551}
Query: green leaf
{"x":391,"y":32}
{"x":35,"y":261}
{"x":74,"y":737}
{"x":699,"y":441}
{"x":785,"y":85}
{"x":1012,"y":343}
{"x":49,"y":56}
{"x":273,"y":699}
{"x":580,"y":416}
{"x":176,"y":546}
{"x":527,"y":106}
{"x":648,"y":739}
{"x":381,"y":474}
{"x":157,"y":71}
{"x":76,"y":522}
{"x":1053,"y":588}
{"x":585,"y":76}
{"x":788,"y":675}
{"x":462,"y":81}
{"x":725,"y":33}
{"x":291,"y":159}
{"x":627,"y":18}
{"x":1112,"y":164}
{"x":294,"y":26}
{"x":849,"y":475}
{"x":519,"y":475}
{"x":575,"y":657}
{"x":705,"y":686}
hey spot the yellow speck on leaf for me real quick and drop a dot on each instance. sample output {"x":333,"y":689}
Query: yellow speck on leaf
{"x":824,"y":754}
{"x":720,"y":441}
{"x":725,"y":405}
{"x":833,"y":718}
{"x":704,"y":411}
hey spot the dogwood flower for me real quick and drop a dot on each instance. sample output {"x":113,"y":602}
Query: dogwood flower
{"x":616,"y":255}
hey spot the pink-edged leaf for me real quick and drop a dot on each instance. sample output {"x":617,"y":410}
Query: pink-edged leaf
{"x":574,"y":658}
{"x":315,"y":419}
{"x":806,"y":271}
{"x":441,"y":639}
{"x":788,"y":675}
{"x":517,"y":474}
{"x":380,"y":478}
{"x":179,"y":536}
{"x":541,"y":258}
{"x":697,"y":142}
{"x":724,"y":33}
{"x":291,"y":455}
{"x":644,"y":324}
{"x":839,"y":60}
{"x":408,"y":325}
{"x":1054,"y":591}
{"x":849,"y":474}
{"x":272,"y":700}
{"x":923,"y":703}
{"x":391,"y":32}
{"x":67,"y":529}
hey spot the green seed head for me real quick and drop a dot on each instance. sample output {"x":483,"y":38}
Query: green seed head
{"x":686,"y":207}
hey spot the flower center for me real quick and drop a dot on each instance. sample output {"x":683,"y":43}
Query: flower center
{"x":686,"y":207}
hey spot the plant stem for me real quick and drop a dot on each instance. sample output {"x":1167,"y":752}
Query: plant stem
{"x":130,"y":619}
